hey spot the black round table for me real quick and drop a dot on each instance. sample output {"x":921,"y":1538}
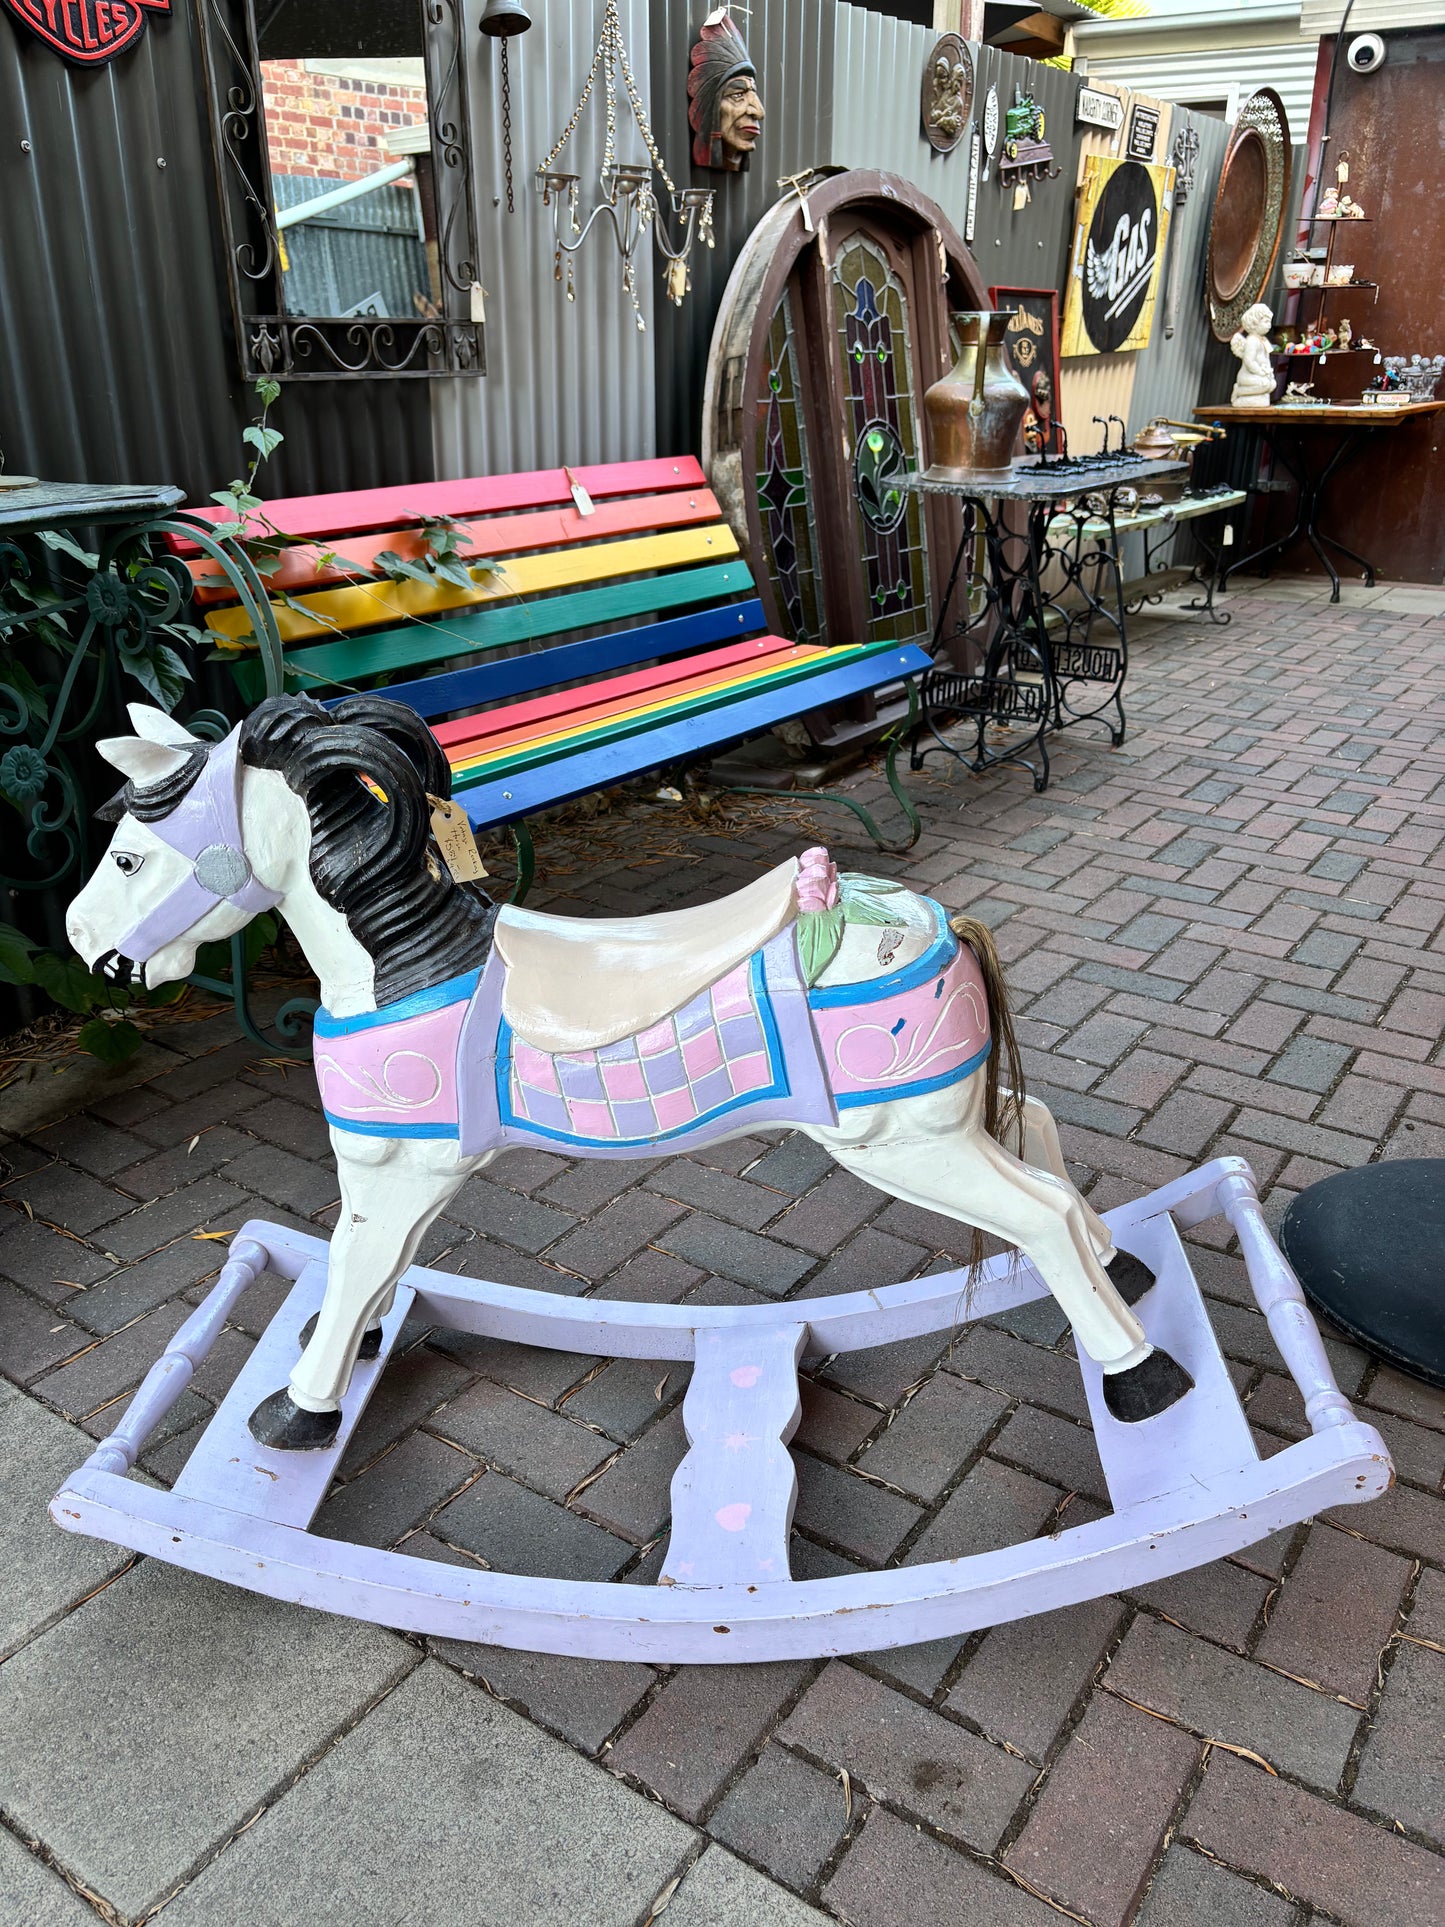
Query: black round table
{"x":1368,"y":1247}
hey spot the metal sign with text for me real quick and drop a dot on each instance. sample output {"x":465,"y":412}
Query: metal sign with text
{"x":1099,"y":110}
{"x":88,"y":32}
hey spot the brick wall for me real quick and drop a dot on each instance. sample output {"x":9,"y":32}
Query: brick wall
{"x":330,"y":125}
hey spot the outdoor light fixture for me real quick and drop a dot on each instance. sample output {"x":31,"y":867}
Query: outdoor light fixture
{"x":500,"y":21}
{"x":629,"y":198}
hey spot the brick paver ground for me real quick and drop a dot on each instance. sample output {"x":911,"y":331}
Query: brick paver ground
{"x":1226,"y":936}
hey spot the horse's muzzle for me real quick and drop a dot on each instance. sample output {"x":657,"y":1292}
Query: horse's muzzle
{"x":119,"y":970}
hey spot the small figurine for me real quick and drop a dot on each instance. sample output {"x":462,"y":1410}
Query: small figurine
{"x":1254,"y":384}
{"x":1346,"y":336}
{"x":1329,"y":208}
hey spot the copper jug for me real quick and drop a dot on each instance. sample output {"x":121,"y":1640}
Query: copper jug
{"x":975,"y":412}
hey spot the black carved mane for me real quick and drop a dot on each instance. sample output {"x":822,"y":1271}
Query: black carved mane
{"x":155,"y":800}
{"x":368,"y":857}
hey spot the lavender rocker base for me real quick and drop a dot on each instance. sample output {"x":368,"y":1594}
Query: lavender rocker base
{"x":1186,"y":1486}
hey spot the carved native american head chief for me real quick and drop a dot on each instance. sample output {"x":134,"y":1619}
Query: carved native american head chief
{"x":723,"y":107}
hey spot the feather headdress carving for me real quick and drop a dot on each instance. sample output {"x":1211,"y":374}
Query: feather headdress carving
{"x":719,"y":55}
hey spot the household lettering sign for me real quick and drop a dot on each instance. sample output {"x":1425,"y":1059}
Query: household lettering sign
{"x":88,"y":32}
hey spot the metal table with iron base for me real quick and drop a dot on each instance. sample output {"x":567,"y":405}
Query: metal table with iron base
{"x":1051,"y":632}
{"x":1286,"y":429}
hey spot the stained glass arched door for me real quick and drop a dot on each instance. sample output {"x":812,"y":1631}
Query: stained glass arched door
{"x":823,"y":348}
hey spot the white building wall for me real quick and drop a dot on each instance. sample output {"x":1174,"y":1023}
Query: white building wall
{"x":1230,"y":74}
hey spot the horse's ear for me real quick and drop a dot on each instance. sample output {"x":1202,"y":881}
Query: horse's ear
{"x":143,"y":762}
{"x":157,"y":727}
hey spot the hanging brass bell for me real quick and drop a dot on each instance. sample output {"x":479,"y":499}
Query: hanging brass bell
{"x":503,"y":18}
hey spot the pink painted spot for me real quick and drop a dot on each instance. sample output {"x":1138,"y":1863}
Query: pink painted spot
{"x":534,"y":1067}
{"x":732,"y":995}
{"x":674,"y":1109}
{"x":750,"y":1073}
{"x":732,"y":1518}
{"x":653,"y":1042}
{"x":702,"y":1053}
{"x":738,"y":1441}
{"x":624,"y":1081}
{"x":746,"y":1376}
{"x":592,"y":1120}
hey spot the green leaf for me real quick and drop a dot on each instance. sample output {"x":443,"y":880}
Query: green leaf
{"x":59,"y":540}
{"x":17,"y":677}
{"x":267,"y":440}
{"x":393,"y":565}
{"x":451,"y":569}
{"x":16,"y":951}
{"x":159,"y":670}
{"x":111,"y":1043}
{"x":819,"y":934}
{"x":68,"y":982}
{"x":164,"y":994}
{"x":268,"y":390}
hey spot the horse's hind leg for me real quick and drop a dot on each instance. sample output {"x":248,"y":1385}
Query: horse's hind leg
{"x":390,"y":1192}
{"x":1042,"y":1149}
{"x":933,"y":1151}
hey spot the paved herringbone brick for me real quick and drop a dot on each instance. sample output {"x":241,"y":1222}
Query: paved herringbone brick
{"x":1227,"y":935}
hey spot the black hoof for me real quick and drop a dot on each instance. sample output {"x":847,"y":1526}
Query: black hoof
{"x":278,"y":1421}
{"x":1146,"y":1389}
{"x":370,"y":1338}
{"x":1129,"y":1276}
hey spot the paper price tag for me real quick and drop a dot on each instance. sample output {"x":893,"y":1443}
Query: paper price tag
{"x":453,"y":832}
{"x":1021,"y":196}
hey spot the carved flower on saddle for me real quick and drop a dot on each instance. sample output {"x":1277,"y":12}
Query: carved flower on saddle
{"x":24,"y":773}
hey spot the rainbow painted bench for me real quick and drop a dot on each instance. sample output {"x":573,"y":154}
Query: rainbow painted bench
{"x":528,"y":681}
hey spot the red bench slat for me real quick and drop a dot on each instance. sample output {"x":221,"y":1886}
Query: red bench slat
{"x":492,"y":728}
{"x":508,"y":535}
{"x":363,"y":511}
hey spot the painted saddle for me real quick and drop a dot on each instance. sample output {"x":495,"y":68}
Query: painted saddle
{"x":802,"y":996}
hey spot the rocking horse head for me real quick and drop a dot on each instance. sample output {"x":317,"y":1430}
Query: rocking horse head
{"x":322,"y":814}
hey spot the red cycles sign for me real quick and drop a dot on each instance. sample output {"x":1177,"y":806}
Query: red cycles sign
{"x":86,"y":31}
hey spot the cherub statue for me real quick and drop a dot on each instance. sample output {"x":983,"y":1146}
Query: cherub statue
{"x":1254,"y":384}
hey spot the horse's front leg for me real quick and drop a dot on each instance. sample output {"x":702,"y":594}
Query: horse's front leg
{"x":391,"y":1189}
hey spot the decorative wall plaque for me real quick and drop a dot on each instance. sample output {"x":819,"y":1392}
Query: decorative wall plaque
{"x":1143,"y":132}
{"x":990,"y":128}
{"x":88,"y":32}
{"x":947,"y":93}
{"x":1097,"y":109}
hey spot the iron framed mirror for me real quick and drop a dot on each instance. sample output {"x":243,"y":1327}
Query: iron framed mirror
{"x":343,"y":164}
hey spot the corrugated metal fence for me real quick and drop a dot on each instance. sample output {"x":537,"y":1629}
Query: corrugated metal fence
{"x":569,"y":381}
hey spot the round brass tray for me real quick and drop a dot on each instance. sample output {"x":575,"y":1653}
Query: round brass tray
{"x":1250,"y":204}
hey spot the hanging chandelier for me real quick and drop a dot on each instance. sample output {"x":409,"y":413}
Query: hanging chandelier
{"x":629,"y":200}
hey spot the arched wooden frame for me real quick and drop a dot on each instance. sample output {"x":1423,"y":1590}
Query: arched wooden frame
{"x":781,"y":243}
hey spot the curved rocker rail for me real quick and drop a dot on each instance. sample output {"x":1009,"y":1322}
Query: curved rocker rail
{"x":1187,"y":1486}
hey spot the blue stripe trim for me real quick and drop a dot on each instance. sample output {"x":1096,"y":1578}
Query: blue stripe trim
{"x":453,"y":991}
{"x":390,"y":1130}
{"x":855,"y":1100}
{"x":779,"y":1087}
{"x":940,"y":953}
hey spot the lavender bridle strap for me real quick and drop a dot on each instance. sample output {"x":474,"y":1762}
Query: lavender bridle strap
{"x":205,"y":826}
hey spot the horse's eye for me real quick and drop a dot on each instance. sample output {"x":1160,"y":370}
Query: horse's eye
{"x":126,"y":863}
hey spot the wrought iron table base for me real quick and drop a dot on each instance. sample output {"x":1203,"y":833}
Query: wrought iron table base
{"x":1290,"y":451}
{"x":1041,"y":642}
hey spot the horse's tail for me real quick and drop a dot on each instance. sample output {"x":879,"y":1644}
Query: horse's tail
{"x":1003,"y":1115}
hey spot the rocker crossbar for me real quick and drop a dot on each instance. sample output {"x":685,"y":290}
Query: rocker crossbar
{"x":1186,"y":1487}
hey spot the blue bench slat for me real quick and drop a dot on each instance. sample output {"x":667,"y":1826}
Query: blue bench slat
{"x":487,"y":683}
{"x":506,"y":798}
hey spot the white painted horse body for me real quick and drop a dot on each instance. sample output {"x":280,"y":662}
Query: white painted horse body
{"x":278,"y":815}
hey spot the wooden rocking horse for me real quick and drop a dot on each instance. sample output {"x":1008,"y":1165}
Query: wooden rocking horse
{"x":844,"y":1007}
